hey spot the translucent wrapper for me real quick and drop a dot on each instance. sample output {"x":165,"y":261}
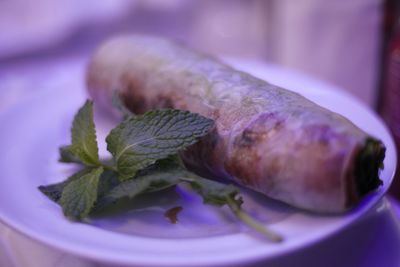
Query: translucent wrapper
{"x":266,"y":138}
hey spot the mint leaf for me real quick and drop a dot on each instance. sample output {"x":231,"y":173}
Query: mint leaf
{"x":142,"y":140}
{"x":67,"y":155}
{"x":213,"y":192}
{"x":161,"y":175}
{"x":108,"y":180}
{"x":54,"y":191}
{"x":83,"y":135}
{"x":166,"y":173}
{"x":80,"y":194}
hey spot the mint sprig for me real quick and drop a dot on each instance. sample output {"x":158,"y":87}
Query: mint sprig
{"x":142,"y":140}
{"x":145,"y":159}
{"x":83,"y":146}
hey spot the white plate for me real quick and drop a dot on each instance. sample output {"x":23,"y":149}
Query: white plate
{"x":33,"y":130}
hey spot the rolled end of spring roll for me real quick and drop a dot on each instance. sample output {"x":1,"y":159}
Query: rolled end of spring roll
{"x":266,"y":138}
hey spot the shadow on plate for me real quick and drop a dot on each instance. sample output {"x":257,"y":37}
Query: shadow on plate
{"x":146,"y":215}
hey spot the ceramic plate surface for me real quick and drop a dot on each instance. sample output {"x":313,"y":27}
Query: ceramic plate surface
{"x":32,"y":131}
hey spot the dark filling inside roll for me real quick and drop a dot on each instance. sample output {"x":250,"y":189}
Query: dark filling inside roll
{"x":368,"y":164}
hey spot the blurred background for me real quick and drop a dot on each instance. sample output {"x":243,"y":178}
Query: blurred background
{"x":337,"y":41}
{"x":351,"y":44}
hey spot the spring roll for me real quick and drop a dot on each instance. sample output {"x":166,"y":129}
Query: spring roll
{"x":266,"y":138}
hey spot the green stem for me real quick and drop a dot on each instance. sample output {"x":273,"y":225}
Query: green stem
{"x":249,"y":221}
